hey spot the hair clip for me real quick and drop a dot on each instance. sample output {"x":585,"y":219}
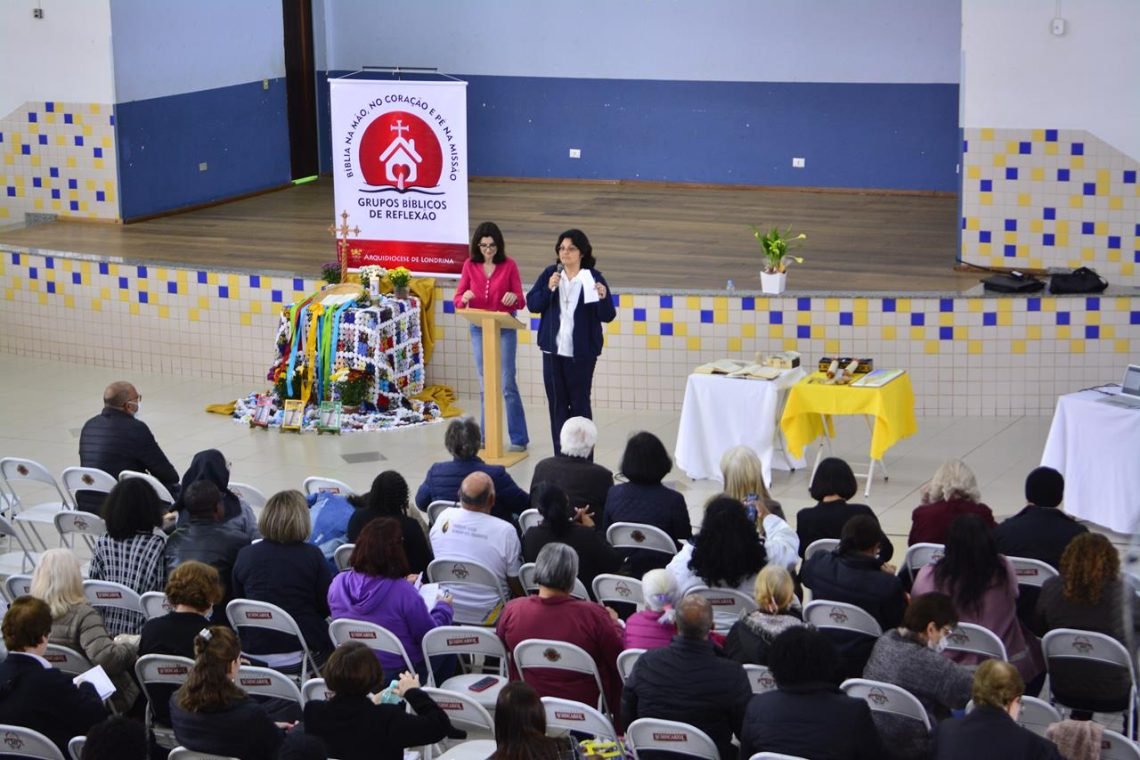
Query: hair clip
{"x":205,"y":633}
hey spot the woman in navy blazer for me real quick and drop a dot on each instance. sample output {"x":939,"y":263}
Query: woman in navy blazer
{"x":570,"y":328}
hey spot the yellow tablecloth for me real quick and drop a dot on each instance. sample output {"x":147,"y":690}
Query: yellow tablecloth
{"x":892,"y":406}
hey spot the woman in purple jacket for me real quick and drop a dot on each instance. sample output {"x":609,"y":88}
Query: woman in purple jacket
{"x":377,"y":589}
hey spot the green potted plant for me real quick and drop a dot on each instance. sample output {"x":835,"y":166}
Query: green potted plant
{"x":774,"y":245}
{"x":330,"y":272}
{"x":351,"y":386}
{"x":400,"y":277}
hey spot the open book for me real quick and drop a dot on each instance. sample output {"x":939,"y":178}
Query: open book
{"x":877,"y":378}
{"x":738,"y":368}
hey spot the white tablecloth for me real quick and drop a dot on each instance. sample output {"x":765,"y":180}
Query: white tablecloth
{"x":1097,"y":448}
{"x":721,"y":412}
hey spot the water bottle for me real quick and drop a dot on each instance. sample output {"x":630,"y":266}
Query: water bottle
{"x":730,"y":286}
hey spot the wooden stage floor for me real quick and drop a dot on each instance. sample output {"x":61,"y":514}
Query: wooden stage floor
{"x":644,"y":236}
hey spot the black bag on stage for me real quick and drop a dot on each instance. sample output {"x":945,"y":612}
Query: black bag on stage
{"x":1083,"y":280}
{"x":1012,"y":283}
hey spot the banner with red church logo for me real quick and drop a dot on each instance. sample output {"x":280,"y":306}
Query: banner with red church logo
{"x":400,"y":172}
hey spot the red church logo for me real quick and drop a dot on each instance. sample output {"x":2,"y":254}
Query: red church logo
{"x":400,"y":152}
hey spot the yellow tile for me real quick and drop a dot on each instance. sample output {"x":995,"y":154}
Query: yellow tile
{"x":1077,"y":162}
{"x":946,"y":319}
{"x":43,"y":299}
{"x":94,"y":108}
{"x":1092,"y":317}
{"x":748,"y":330}
{"x":1010,"y":238}
{"x":246,"y":320}
{"x":973,"y":172}
{"x":1037,"y":174}
{"x":1048,"y":304}
{"x":1024,"y":199}
{"x":889,"y":332}
{"x":1101,"y":228}
{"x":255,"y":307}
{"x":1062,"y":239}
{"x":1061,"y":227}
{"x":999,"y":159}
{"x":790,"y":344}
{"x":973,"y":223}
{"x":192,"y":315}
{"x":1035,"y":263}
{"x":1103,"y":176}
{"x":693,"y":343}
{"x":680,"y":329}
{"x":1051,"y":149}
{"x":77,"y":118}
{"x":1076,"y":347}
{"x":1107,"y":332}
{"x":1033,"y":332}
{"x":1023,"y":251}
{"x":1127,"y":268}
{"x":902,"y":306}
{"x":1064,"y":332}
{"x":693,"y":303}
{"x":1076,"y":201}
{"x":1017,"y":347}
{"x":35,"y":161}
{"x":1005,"y":319}
{"x":720,"y":303}
{"x":56,"y":205}
{"x":96,"y":304}
{"x":71,"y":162}
{"x":665,"y":315}
{"x":860,"y":305}
{"x":1116,"y":203}
{"x":1123,"y":304}
{"x":720,"y":317}
{"x":104,"y":293}
{"x":134,"y":309}
{"x":776,"y":331}
{"x":1088,"y":254}
{"x":69,"y":301}
{"x":987,"y":133}
{"x":1114,"y":254}
{"x":986,"y":199}
{"x":613,"y":328}
{"x":830,"y":305}
{"x":1038,"y":135}
{"x":974,"y":347}
{"x":1012,"y":147}
{"x":204,"y":303}
{"x":163,"y":312}
{"x":803,"y":318}
{"x":763,"y":304}
{"x":653,"y":342}
{"x":212,"y":279}
{"x":38,"y":204}
{"x":86,"y":130}
{"x":831,"y":347}
{"x":1122,"y":346}
{"x":932,"y":347}
{"x":180,"y":276}
{"x":975,"y":305}
{"x":125,"y":295}
{"x":734,"y":345}
{"x":984,"y":249}
{"x":108,"y":142}
{"x":639,"y":328}
{"x":917,"y":333}
{"x":859,"y":319}
{"x":60,"y":140}
{"x":49,"y":118}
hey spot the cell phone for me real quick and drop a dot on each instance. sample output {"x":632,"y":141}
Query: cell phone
{"x":483,"y":684}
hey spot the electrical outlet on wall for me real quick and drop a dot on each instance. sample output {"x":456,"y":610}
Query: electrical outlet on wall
{"x":575,"y":153}
{"x":203,"y":166}
{"x":265,"y":84}
{"x":797,"y":163}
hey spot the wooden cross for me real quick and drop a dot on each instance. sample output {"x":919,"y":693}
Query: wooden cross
{"x":341,"y":233}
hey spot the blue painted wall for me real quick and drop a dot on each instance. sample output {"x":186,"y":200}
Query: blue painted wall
{"x":241,"y":132}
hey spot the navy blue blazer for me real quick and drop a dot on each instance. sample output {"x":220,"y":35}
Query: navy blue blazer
{"x":588,"y":317}
{"x":443,"y":479}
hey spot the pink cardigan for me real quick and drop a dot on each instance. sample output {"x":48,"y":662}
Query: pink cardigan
{"x":489,"y":292}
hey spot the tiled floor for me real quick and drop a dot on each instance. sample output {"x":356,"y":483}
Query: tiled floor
{"x":43,"y":404}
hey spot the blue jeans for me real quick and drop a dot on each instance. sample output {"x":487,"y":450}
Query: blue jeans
{"x":516,"y":418}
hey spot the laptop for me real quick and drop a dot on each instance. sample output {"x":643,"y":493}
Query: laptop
{"x":1129,"y":397}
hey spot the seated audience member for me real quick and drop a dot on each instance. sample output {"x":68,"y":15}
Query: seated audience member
{"x":116,"y":738}
{"x":834,"y":483}
{"x":284,"y":569}
{"x":213,"y":466}
{"x":520,"y":726}
{"x":1089,"y":596}
{"x":991,"y":729}
{"x":743,"y":475}
{"x":471,"y":533}
{"x":1041,"y":530}
{"x":727,"y":553}
{"x":752,"y":635}
{"x":354,"y":725}
{"x":554,"y":614}
{"x":330,"y":514}
{"x":908,"y":656}
{"x":654,"y":626}
{"x":689,"y":681}
{"x":206,"y":538}
{"x":983,"y":586}
{"x":376,"y":589}
{"x":389,"y":498}
{"x":442,"y":481}
{"x":300,"y":746}
{"x":807,"y":715}
{"x":33,"y":694}
{"x":645,"y":499}
{"x":79,"y":626}
{"x":131,"y":552}
{"x":586,"y":484}
{"x":209,"y":713}
{"x":575,"y":528}
{"x":951,"y":492}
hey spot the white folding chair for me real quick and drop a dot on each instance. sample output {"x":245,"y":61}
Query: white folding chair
{"x":16,"y":586}
{"x":824,"y":614}
{"x":248,"y":613}
{"x":1090,"y":647}
{"x":464,"y":712}
{"x":526,"y":578}
{"x":163,"y":492}
{"x":727,"y":604}
{"x":623,"y":535}
{"x":18,"y":561}
{"x":317,"y":484}
{"x":154,"y":604}
{"x":315,"y":690}
{"x":461,"y":572}
{"x":669,"y":736}
{"x":471,"y":642}
{"x":251,"y":495}
{"x":67,"y":660}
{"x":528,"y":519}
{"x":820,"y":545}
{"x":626,"y":659}
{"x":581,"y":719}
{"x":342,"y":555}
{"x":24,"y":511}
{"x":759,"y":678}
{"x":1116,"y":746}
{"x":75,"y":479}
{"x":559,"y":655}
{"x":75,"y":747}
{"x":102,"y":594}
{"x":888,"y":699}
{"x":608,"y":587}
{"x":1032,"y":572}
{"x":181,"y":753}
{"x":775,"y":756}
{"x":438,"y":506}
{"x":75,"y":522}
{"x":375,"y":637}
{"x":17,"y":741}
{"x":1036,"y":714}
{"x":267,"y":682}
{"x":919,"y":556}
{"x":153,"y":670}
{"x":974,"y":639}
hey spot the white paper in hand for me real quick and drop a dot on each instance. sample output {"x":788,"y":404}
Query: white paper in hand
{"x":429,"y":592}
{"x":589,"y":286}
{"x":98,"y":678}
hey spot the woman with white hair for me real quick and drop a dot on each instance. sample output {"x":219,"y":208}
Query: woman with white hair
{"x":654,"y":626}
{"x":744,"y":481}
{"x":586,"y":484}
{"x":77,"y":625}
{"x":953,"y":491}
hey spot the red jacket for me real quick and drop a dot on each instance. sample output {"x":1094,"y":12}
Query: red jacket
{"x":489,"y":292}
{"x":930,"y":522}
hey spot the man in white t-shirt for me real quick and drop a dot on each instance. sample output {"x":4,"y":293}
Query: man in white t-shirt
{"x":470,"y":533}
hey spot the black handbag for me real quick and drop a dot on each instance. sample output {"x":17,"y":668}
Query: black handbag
{"x":1012,"y":283}
{"x":1083,"y":280}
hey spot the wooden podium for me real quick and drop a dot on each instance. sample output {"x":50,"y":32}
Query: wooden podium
{"x":492,"y":322}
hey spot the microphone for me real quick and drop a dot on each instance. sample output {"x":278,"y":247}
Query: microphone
{"x":560,"y":269}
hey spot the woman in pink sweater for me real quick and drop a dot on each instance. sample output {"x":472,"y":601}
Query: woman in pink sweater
{"x":491,"y":281}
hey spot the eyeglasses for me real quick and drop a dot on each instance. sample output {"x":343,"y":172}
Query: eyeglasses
{"x":567,"y":248}
{"x":487,"y":246}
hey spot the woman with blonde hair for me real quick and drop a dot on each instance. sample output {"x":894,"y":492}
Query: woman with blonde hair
{"x":749,"y":638}
{"x":77,"y":625}
{"x":744,"y":481}
{"x":953,"y":491}
{"x":210,"y":713}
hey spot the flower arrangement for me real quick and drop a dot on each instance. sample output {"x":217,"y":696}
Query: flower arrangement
{"x":774,"y":245}
{"x":399,"y":277}
{"x":351,"y":385}
{"x":281,"y":388}
{"x":330,"y":272}
{"x":370,"y":271}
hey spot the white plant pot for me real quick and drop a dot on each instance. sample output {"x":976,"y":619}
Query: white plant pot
{"x":773,"y":283}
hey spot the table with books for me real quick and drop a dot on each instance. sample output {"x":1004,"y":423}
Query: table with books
{"x":884,"y":398}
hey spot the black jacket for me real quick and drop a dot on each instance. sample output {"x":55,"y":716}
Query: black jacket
{"x":989,"y":732}
{"x":114,"y":441}
{"x":826,"y":520}
{"x":692,"y":682}
{"x":588,"y":317}
{"x":243,"y":730}
{"x":214,"y":543}
{"x":1037,"y":533}
{"x":173,"y":633}
{"x":585,"y":483}
{"x":45,"y":700}
{"x":595,"y":556}
{"x":856,"y":579}
{"x":353,"y":728}
{"x":657,"y":505}
{"x":813,"y":720}
{"x":416,"y":545}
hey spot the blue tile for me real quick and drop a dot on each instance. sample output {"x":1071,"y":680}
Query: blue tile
{"x":984,"y":236}
{"x":49,"y":107}
{"x":987,"y":185}
{"x":1136,"y":231}
{"x":43,"y":139}
{"x":33,"y":273}
{"x":1050,"y":135}
{"x":1130,"y":177}
{"x":1,"y":137}
{"x":1025,"y":148}
{"x":223,"y":291}
{"x":533,"y":321}
{"x":54,"y":172}
{"x":1010,"y":172}
{"x":1089,"y":188}
{"x":1088,"y":228}
{"x":299,"y":284}
{"x":963,"y":222}
{"x":1033,"y":304}
{"x":1078,"y":149}
{"x":846,"y":318}
{"x":26,"y":149}
{"x":73,"y":184}
{"x":666,"y":328}
{"x":946,"y":304}
{"x":15,"y":258}
{"x":123,"y":283}
{"x":1063,"y":318}
{"x":448,"y":306}
{"x":144,"y":297}
{"x":1047,"y":239}
{"x":615,"y":299}
{"x":748,"y":303}
{"x":706,"y":317}
{"x":111,"y":120}
{"x":11,"y":191}
{"x":54,"y":194}
{"x":104,"y":267}
{"x":79,"y":140}
{"x":203,"y":278}
{"x":639,"y":315}
{"x":98,"y":152}
{"x":255,"y":281}
{"x":1114,"y":242}
{"x":100,"y":196}
{"x":141,"y":271}
{"x":917,"y":319}
{"x":172,"y":288}
{"x":1062,"y":175}
{"x":889,"y":304}
{"x":76,"y":278}
{"x":32,"y":118}
{"x":803,"y":331}
{"x":665,"y":302}
{"x":1092,"y":332}
{"x":278,"y":297}
{"x":51,"y":287}
{"x":803,"y":304}
{"x":775,"y":317}
{"x":1134,"y":318}
{"x":67,"y":118}
{"x":989,"y":319}
{"x":1136,"y":256}
{"x":1011,"y":224}
{"x":37,"y":182}
{"x":965,"y":146}
{"x":946,"y":333}
{"x":1092,"y":304}
{"x":74,"y":205}
{"x":49,"y":262}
